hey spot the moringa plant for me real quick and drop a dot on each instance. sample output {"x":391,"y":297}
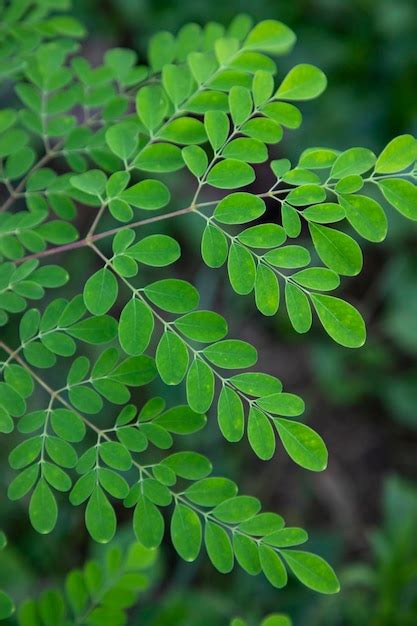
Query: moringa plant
{"x":101,"y":592}
{"x":87,"y":162}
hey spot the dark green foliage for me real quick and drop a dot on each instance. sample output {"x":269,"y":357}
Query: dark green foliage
{"x":210,"y":105}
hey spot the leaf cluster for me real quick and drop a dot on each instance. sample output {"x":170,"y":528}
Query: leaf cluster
{"x":208,"y":103}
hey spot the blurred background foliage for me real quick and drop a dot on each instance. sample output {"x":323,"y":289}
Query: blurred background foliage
{"x":362,"y":512}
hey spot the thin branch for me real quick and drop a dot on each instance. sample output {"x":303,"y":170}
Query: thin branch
{"x":82,"y":243}
{"x":54,"y":394}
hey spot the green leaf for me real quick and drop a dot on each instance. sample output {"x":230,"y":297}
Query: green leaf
{"x":133,"y":439}
{"x":19,"y":163}
{"x":240,"y":103}
{"x":195,"y":159}
{"x":397,"y":155}
{"x":116,"y":183}
{"x":260,"y":434}
{"x":241,"y":269}
{"x":121,"y":60}
{"x":247,"y":555}
{"x":155,"y":250}
{"x":257,"y":384}
{"x":181,"y":420}
{"x":263,"y":129}
{"x":120,"y":210}
{"x":189,"y":465}
{"x":161,"y":50}
{"x":302,"y":82}
{"x":204,"y":326}
{"x":136,"y":326}
{"x":11,"y":141}
{"x":186,"y":533}
{"x":209,"y":100}
{"x":50,"y":276}
{"x":20,"y":379}
{"x":270,"y":36}
{"x":61,"y":452}
{"x":211,"y":491}
{"x":366,"y":216}
{"x":325,"y":213}
{"x":219,"y":548}
{"x":100,"y":291}
{"x":56,"y":477}
{"x":29,"y":324}
{"x":306,"y":194}
{"x":122,"y":139}
{"x":7,"y":119}
{"x":337,"y":250}
{"x":288,"y":257}
{"x":287,"y":537}
{"x":353,"y":161}
{"x":340,"y":320}
{"x":115,"y":455}
{"x":230,"y":174}
{"x":317,"y":278}
{"x":237,"y":509}
{"x":239,"y":208}
{"x":286,"y":404}
{"x":57,"y":232}
{"x":272,"y":567}
{"x":85,"y":399}
{"x":172,"y":295}
{"x":113,"y":483}
{"x":23,"y":483}
{"x":159,"y":157}
{"x":231,"y":354}
{"x":92,"y":182}
{"x":6,"y":422}
{"x":291,"y":221}
{"x":246,"y":149}
{"x":298,"y":308}
{"x":262,"y":87}
{"x":301,"y":176}
{"x":263,"y":236}
{"x":202,"y":66}
{"x":226,"y":49}
{"x":148,"y":194}
{"x":94,"y":330}
{"x":151,"y":105}
{"x":262,"y":524}
{"x":312,"y":571}
{"x":266,"y":290}
{"x":349,"y":184}
{"x":172,"y":358}
{"x":43,"y":510}
{"x":303,"y":444}
{"x":100,"y":517}
{"x":12,"y":400}
{"x":185,"y":131}
{"x":230,"y":415}
{"x":214,"y":246}
{"x":217,"y":128}
{"x":68,"y":425}
{"x":177,"y":81}
{"x":318,"y":158}
{"x":402,"y":194}
{"x":284,"y":114}
{"x":148,"y":523}
{"x":158,"y":493}
{"x":66,"y":25}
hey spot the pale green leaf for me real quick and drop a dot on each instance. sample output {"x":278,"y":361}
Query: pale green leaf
{"x":340,"y":320}
{"x":302,"y":82}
